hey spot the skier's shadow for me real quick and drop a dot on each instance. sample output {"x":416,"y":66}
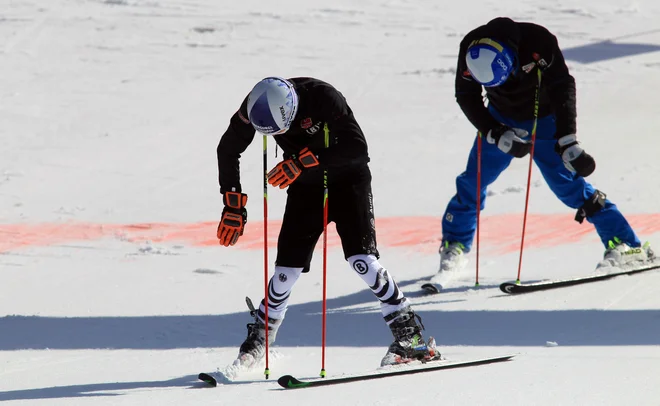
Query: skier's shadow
{"x":106,"y":389}
{"x":356,"y":311}
{"x":97,"y":389}
{"x":611,"y":49}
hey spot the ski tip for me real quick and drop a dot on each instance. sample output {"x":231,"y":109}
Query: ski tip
{"x":207,"y":378}
{"x":284,"y":380}
{"x":431,"y":288}
{"x":289,"y":382}
{"x":508,"y":287}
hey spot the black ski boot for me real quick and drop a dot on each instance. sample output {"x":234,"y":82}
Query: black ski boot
{"x":253,"y":348}
{"x":408,"y":342}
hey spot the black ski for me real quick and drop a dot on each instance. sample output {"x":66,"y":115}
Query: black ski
{"x":289,"y":382}
{"x":514,"y":288}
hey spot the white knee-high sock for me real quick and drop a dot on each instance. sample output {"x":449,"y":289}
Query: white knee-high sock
{"x":279,"y":290}
{"x":380,"y":282}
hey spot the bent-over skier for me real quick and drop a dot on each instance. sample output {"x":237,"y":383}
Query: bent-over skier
{"x":510,"y":60}
{"x":314,"y":126}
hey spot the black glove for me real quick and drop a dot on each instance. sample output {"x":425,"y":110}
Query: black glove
{"x":574,"y":157}
{"x":510,"y":140}
{"x":234,"y":217}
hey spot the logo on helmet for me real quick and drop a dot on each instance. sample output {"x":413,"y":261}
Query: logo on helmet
{"x":283,"y":113}
{"x":264,"y":129}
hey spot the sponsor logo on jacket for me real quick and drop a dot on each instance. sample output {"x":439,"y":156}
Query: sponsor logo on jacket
{"x":306,"y":123}
{"x":313,"y":129}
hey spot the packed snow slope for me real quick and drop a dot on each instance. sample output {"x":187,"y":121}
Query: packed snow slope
{"x":113,"y":291}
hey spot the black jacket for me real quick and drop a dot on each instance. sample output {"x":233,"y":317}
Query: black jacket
{"x":536,"y":48}
{"x":319,"y":104}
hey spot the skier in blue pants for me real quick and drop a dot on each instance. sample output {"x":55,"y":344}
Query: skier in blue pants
{"x":520,"y":65}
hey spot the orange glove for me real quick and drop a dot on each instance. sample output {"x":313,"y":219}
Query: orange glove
{"x":287,"y":171}
{"x":234,"y":217}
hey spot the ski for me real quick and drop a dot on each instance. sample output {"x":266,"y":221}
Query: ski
{"x":289,"y":382}
{"x":515,"y":289}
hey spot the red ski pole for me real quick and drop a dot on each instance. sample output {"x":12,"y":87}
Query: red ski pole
{"x":529,"y":173}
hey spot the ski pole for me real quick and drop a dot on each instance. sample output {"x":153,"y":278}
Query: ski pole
{"x":476,"y":282}
{"x":325,"y":264}
{"x":326,"y":132}
{"x":266,"y":371}
{"x":529,"y":174}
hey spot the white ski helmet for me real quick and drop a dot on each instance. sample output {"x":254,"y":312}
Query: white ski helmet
{"x":272,"y":105}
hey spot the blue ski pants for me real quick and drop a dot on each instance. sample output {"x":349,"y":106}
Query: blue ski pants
{"x":459,"y":222}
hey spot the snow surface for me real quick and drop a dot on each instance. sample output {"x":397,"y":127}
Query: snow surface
{"x":112,"y":290}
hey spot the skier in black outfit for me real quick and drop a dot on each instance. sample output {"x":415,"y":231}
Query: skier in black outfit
{"x":312,"y":123}
{"x":510,"y":60}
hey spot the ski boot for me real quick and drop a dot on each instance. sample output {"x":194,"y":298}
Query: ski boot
{"x":620,"y":255}
{"x":408,"y":342}
{"x":452,"y":256}
{"x":253,"y":348}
